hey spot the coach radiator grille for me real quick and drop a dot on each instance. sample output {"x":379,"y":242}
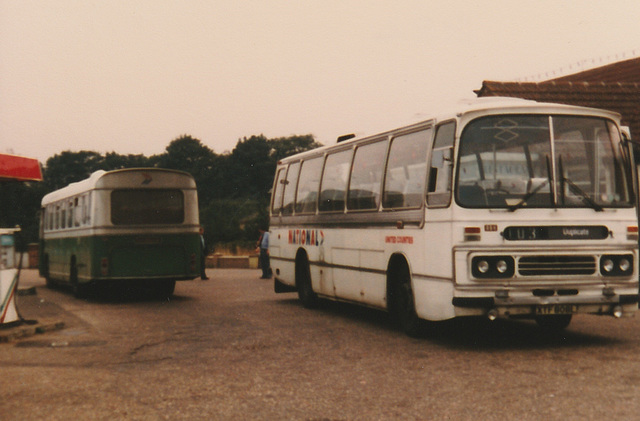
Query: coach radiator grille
{"x":557,"y":265}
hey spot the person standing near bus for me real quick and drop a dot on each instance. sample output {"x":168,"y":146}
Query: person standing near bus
{"x":263,"y":245}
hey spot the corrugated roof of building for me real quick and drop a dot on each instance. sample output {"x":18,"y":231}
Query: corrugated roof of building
{"x":627,"y":71}
{"x":615,"y":87}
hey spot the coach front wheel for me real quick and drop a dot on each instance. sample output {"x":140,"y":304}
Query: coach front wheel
{"x":403,"y":304}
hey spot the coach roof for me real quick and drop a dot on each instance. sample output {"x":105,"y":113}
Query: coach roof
{"x":99,"y":179}
{"x":472,"y":106}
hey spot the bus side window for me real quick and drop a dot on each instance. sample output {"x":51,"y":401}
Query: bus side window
{"x":77,"y":212}
{"x":334,"y":181}
{"x":290,"y":185}
{"x":63,"y":215}
{"x":308,"y":184}
{"x":87,"y":209}
{"x":441,"y":166}
{"x":83,"y":210}
{"x":70,"y":212}
{"x":406,"y":171}
{"x":366,"y":176}
{"x":278,"y":189}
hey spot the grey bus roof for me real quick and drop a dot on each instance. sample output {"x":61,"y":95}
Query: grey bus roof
{"x":94,"y":180}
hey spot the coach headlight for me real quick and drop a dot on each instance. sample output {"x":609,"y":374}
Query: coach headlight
{"x":483,"y":266}
{"x":492,"y":267}
{"x":502,"y":266}
{"x":616,"y":265}
{"x":624,"y":264}
{"x":607,"y":265}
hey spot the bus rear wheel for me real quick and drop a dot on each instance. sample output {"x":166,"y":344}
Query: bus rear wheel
{"x":306,"y":294}
{"x":165,"y":288}
{"x":79,"y":290}
{"x":45,"y":272}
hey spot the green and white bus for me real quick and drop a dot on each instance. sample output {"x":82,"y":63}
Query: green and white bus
{"x":126,"y":225}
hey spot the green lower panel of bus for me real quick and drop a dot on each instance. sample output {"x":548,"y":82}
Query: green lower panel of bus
{"x":148,"y":262}
{"x":169,"y":256}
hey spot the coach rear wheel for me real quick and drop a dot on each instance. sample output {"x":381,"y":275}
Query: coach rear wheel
{"x":49,"y":282}
{"x":165,"y":288}
{"x":45,"y":272}
{"x":306,"y":294}
{"x":79,"y":290}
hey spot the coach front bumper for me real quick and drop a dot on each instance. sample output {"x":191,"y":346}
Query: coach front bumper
{"x":534,"y":282}
{"x":504,"y":303}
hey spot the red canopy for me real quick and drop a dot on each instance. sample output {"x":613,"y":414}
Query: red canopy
{"x":19,"y":168}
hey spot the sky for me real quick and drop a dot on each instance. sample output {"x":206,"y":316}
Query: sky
{"x":130,"y":76}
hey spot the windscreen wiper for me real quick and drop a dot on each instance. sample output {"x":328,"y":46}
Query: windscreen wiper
{"x":575,"y":189}
{"x":526,"y":197}
{"x":529,"y":195}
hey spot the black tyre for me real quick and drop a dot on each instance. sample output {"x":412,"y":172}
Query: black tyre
{"x":306,"y":294}
{"x":165,"y":288}
{"x":79,"y":290}
{"x":45,"y":272}
{"x":403,"y":305}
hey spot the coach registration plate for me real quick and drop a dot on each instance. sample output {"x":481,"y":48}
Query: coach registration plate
{"x":557,"y":309}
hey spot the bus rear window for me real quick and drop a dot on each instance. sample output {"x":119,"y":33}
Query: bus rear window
{"x":147,"y":207}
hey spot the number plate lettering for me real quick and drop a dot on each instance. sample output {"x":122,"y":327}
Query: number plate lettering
{"x":557,"y":309}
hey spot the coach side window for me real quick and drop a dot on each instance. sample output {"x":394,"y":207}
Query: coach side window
{"x":51,"y":214}
{"x":439,"y":192}
{"x":366,"y":176}
{"x":70,"y":212}
{"x":308,"y":185}
{"x":77,"y":212}
{"x":87,"y":209}
{"x":290,"y":184}
{"x":278,"y":190}
{"x":406,"y":171}
{"x":334,"y":181}
{"x":63,"y":215}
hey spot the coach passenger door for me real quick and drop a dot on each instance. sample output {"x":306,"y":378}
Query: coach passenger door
{"x":339,"y":252}
{"x":437,"y":228}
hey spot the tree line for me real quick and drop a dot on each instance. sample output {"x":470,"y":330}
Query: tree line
{"x":233,"y":188}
